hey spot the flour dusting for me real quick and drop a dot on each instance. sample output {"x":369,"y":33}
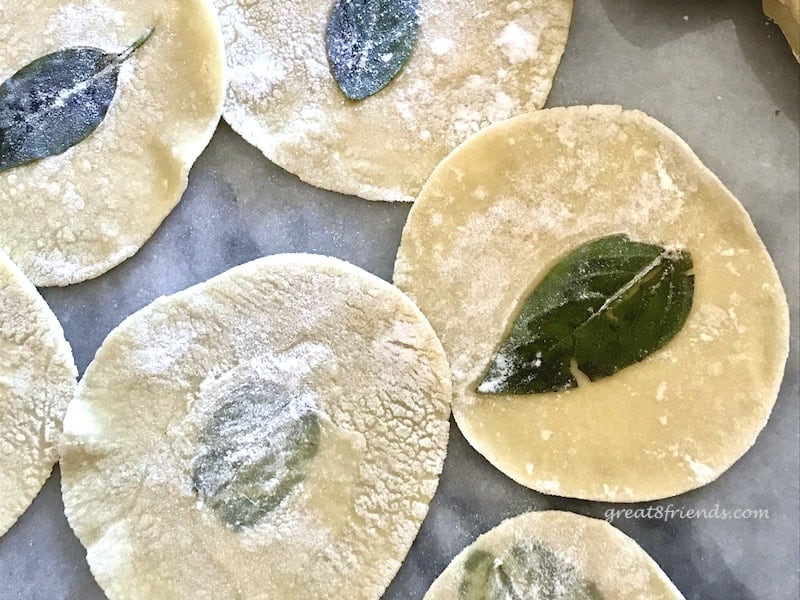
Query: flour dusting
{"x":517,"y":44}
{"x":385,"y":146}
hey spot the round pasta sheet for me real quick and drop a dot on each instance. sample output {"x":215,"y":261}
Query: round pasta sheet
{"x":74,"y":216}
{"x":475,"y":63}
{"x":275,"y":432}
{"x":510,"y":203}
{"x":37,"y":380}
{"x":553,"y":555}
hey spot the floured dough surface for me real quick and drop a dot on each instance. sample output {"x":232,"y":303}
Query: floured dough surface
{"x":74,"y":216}
{"x":37,"y":380}
{"x":302,"y":367}
{"x":510,"y":203}
{"x":475,"y":63}
{"x":786,"y":13}
{"x":554,"y":555}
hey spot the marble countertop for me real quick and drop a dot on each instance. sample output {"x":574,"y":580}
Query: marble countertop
{"x":720,"y":75}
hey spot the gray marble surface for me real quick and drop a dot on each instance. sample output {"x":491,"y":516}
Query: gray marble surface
{"x":716,"y":72}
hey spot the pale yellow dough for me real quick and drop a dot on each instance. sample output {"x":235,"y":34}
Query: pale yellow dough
{"x":361,"y":353}
{"x":72,"y":217}
{"x":786,"y":13}
{"x":37,"y":380}
{"x":503,"y":208}
{"x":475,"y":63}
{"x":596,"y":551}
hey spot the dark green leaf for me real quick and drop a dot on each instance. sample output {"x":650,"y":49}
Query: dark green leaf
{"x":56,"y":101}
{"x":369,"y":41}
{"x":607,"y":305}
{"x":254,"y":451}
{"x":528,"y":571}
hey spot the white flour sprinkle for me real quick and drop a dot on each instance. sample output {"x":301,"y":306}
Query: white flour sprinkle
{"x":517,"y":44}
{"x":441,"y":46}
{"x":702,"y":472}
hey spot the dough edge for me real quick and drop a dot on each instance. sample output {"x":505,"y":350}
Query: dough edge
{"x":63,"y":352}
{"x":319,"y":263}
{"x":47,"y":275}
{"x":558,"y":115}
{"x":535,"y":519}
{"x":241,"y":122}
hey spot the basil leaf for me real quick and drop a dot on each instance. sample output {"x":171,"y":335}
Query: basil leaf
{"x":56,"y":101}
{"x":607,"y":305}
{"x":254,"y":451}
{"x":369,"y":41}
{"x":526,"y":571}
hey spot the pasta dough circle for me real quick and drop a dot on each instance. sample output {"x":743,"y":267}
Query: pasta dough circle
{"x":37,"y":380}
{"x":327,"y":337}
{"x":72,"y":217}
{"x":503,"y":208}
{"x":592,"y":549}
{"x":475,"y":63}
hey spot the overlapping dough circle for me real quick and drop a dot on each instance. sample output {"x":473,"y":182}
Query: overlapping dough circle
{"x":37,"y":380}
{"x":615,"y":563}
{"x":356,"y":345}
{"x":74,"y":216}
{"x":503,"y":208}
{"x":475,"y":63}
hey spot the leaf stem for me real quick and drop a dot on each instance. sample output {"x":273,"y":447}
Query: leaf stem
{"x":126,"y":54}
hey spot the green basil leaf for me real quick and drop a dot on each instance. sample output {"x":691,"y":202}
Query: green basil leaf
{"x":369,"y":41}
{"x":607,"y":305}
{"x":254,"y":451}
{"x":56,"y":101}
{"x":527,"y":571}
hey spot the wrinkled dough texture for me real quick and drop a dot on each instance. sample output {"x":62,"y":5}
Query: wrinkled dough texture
{"x":367,"y":357}
{"x":475,"y":63}
{"x":504,"y":208}
{"x":601,"y":553}
{"x":74,"y":216}
{"x":786,"y":13}
{"x":37,"y":380}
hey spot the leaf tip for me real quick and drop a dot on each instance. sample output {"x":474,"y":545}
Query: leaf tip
{"x":487,"y":386}
{"x":140,"y":41}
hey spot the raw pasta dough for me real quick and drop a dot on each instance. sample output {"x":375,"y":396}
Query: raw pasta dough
{"x":786,"y":13}
{"x":301,"y":367}
{"x":475,"y":63}
{"x":74,"y":216}
{"x":567,"y":556}
{"x":37,"y":380}
{"x":503,"y":208}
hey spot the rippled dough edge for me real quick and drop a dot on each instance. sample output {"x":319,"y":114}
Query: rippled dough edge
{"x":130,"y":436}
{"x":786,"y":13}
{"x":72,"y":217}
{"x":604,"y":555}
{"x":475,"y":63}
{"x":503,"y":208}
{"x":37,"y":380}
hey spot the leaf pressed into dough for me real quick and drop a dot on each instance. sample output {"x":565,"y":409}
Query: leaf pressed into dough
{"x":608,"y":304}
{"x":369,"y":41}
{"x":254,"y":451}
{"x":57,"y":101}
{"x":525,"y":572}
